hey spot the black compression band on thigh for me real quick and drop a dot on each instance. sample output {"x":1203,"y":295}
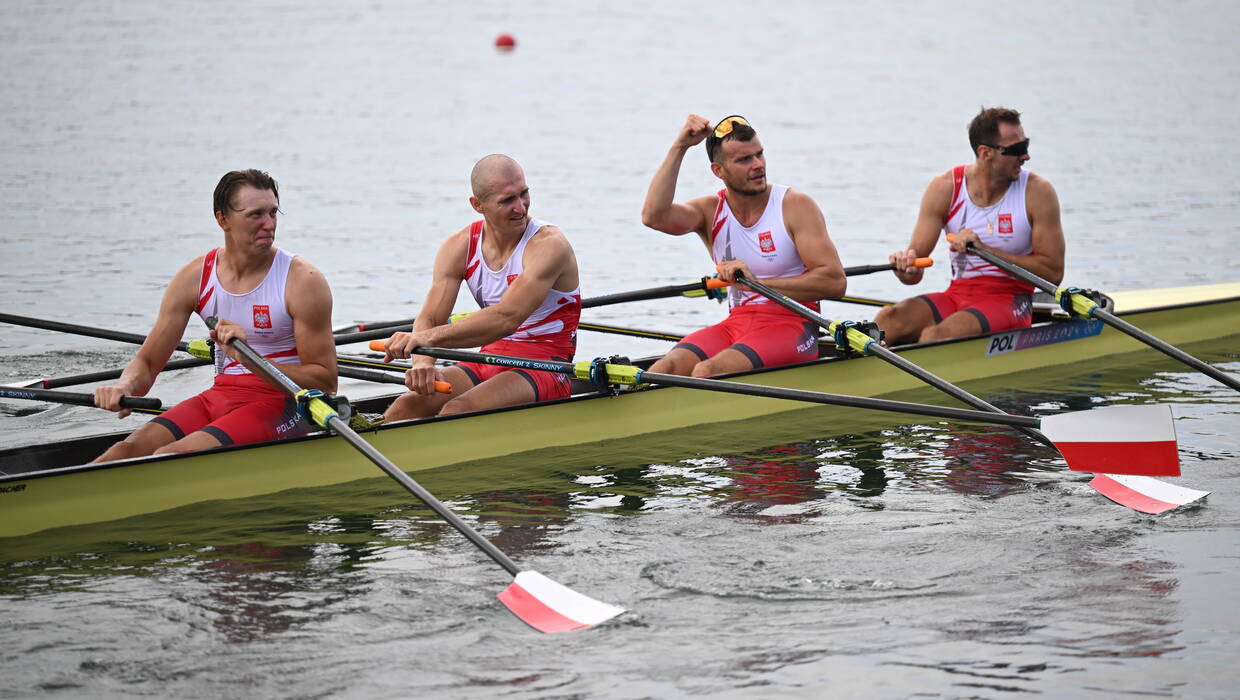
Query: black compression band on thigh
{"x":533,"y":384}
{"x":747,"y":352}
{"x":938,"y":318}
{"x":470,"y":373}
{"x":218,"y":434}
{"x":693,"y":349}
{"x":981,"y":318}
{"x":172,"y":427}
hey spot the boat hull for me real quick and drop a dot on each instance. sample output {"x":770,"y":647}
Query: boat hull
{"x":37,"y":498}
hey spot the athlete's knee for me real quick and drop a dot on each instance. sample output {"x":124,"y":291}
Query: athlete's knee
{"x":670,"y":364}
{"x":405,"y":406}
{"x":457,"y":405}
{"x":703,"y":370}
{"x":169,"y":449}
{"x":119,"y":450}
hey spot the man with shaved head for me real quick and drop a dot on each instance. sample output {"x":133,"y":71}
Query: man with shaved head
{"x":523,"y":274}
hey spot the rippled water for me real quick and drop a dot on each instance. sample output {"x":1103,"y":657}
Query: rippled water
{"x":809,"y":554}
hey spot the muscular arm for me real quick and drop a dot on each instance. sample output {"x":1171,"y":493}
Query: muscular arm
{"x":934,"y":204}
{"x":1046,"y":259}
{"x":445,"y":282}
{"x":174,"y":311}
{"x":309,"y":301}
{"x":824,"y":275}
{"x":659,"y":211}
{"x":549,"y":259}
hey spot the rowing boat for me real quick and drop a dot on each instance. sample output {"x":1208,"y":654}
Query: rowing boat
{"x":46,"y":486}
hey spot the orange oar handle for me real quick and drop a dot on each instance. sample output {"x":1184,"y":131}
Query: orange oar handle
{"x":716,"y":283}
{"x":440,"y":387}
{"x":924,"y":262}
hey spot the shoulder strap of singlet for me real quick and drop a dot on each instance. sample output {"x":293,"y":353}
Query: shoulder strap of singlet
{"x":475,"y":237}
{"x":957,"y":200}
{"x":208,"y":265}
{"x":720,"y":220}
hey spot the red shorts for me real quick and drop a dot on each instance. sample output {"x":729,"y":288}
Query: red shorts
{"x":238,"y":409}
{"x":547,"y":385}
{"x":769,"y":335}
{"x":999,"y":303}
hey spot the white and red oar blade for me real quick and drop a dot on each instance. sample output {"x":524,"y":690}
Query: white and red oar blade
{"x":1136,"y":440}
{"x":549,"y":607}
{"x":1143,"y":493}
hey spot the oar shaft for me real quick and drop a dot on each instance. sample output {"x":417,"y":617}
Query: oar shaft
{"x":635,"y":332}
{"x":1111,"y":319}
{"x":413,"y":487}
{"x":961,"y":414}
{"x":889,"y":356}
{"x":367,"y":374}
{"x":1127,"y":328}
{"x":643,"y":294}
{"x":107,"y":375}
{"x":76,"y":399}
{"x":855,"y":270}
{"x":342,"y":428}
{"x":75,"y":329}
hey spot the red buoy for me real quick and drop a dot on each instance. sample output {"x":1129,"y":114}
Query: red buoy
{"x":505,"y":42}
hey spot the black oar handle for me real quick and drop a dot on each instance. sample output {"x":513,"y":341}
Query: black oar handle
{"x":76,"y":399}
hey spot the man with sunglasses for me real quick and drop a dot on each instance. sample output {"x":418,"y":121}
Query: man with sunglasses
{"x":766,"y":232}
{"x":998,"y":206}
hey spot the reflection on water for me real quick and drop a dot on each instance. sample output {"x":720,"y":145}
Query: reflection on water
{"x":967,"y":557}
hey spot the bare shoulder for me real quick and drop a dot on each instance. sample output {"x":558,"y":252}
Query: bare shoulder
{"x":797,"y":199}
{"x":707,"y":204}
{"x":549,"y":234}
{"x":185,"y":282}
{"x":303,"y":270}
{"x":549,"y":242}
{"x":942,"y":183}
{"x":1039,"y":186}
{"x":457,"y":243}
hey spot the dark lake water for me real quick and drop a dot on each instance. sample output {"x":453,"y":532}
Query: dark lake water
{"x":792,"y":556}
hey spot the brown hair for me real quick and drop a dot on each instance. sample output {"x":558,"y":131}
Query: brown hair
{"x":984,"y":129}
{"x":233,"y":181}
{"x":714,"y":146}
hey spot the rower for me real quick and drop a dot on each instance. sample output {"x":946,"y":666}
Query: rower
{"x":998,"y":206}
{"x":522,"y":273}
{"x":277,"y":302}
{"x":764,"y":231}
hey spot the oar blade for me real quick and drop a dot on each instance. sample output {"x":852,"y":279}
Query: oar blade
{"x":1143,"y":493}
{"x":1137,"y":440}
{"x":551,"y":607}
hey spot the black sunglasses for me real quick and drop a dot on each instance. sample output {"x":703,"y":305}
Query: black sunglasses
{"x":1019,"y":148}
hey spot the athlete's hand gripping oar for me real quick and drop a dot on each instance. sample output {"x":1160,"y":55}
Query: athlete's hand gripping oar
{"x":1113,"y":439}
{"x":135,"y":403}
{"x":870,"y":269}
{"x":540,"y":602}
{"x":1076,"y":303}
{"x":848,"y":337}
